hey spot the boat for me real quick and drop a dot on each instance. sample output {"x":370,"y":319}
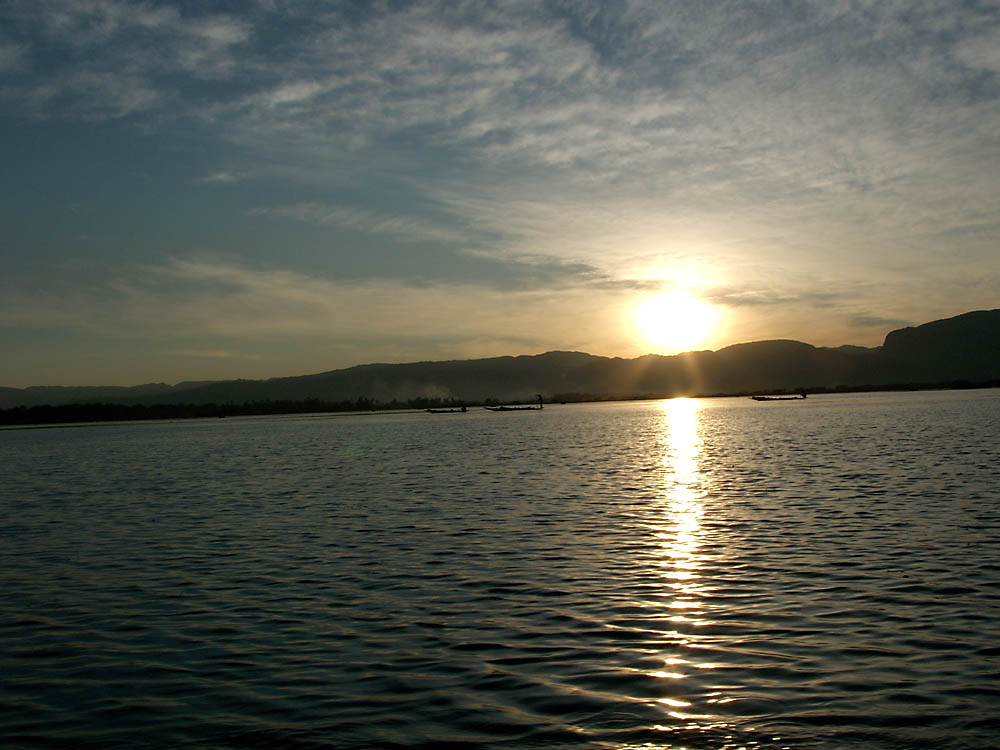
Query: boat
{"x":446,"y":411}
{"x":518,"y":408}
{"x":780,"y":398}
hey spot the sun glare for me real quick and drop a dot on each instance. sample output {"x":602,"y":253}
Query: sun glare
{"x":673,"y":322}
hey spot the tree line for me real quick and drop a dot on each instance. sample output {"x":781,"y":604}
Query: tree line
{"x":112,"y":412}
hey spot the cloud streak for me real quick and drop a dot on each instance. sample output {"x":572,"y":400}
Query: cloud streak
{"x":405,"y":228}
{"x":223,"y":301}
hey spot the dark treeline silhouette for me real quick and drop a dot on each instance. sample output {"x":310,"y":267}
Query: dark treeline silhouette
{"x":110,"y":412}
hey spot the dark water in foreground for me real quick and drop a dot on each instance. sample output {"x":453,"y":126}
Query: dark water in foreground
{"x":676,"y":574}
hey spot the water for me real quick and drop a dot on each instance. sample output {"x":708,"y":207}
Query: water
{"x":673,"y":574}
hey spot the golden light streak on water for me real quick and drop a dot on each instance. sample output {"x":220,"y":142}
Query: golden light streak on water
{"x":675,"y":702}
{"x":682,"y":491}
{"x":680,"y":534}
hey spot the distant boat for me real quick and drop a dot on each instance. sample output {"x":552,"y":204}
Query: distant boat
{"x":780,"y":398}
{"x":447,"y":411}
{"x":518,"y":408}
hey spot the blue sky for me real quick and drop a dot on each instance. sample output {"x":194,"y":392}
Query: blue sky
{"x":199,"y":190}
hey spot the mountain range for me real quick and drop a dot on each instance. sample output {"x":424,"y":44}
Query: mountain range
{"x":961,"y":350}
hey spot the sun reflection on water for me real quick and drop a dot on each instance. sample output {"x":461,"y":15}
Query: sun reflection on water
{"x":680,"y":535}
{"x":682,"y":490}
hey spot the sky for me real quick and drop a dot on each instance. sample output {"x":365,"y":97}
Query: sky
{"x":213,"y":190}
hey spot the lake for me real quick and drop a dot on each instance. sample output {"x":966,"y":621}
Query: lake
{"x":712,"y":573}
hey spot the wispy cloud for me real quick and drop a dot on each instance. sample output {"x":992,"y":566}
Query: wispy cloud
{"x":224,"y":177}
{"x":105,"y":59}
{"x":883,"y":324}
{"x":980,"y":52}
{"x":215,"y":354}
{"x":220,"y":301}
{"x":12,"y":56}
{"x":406,"y":228}
{"x":732,"y":100}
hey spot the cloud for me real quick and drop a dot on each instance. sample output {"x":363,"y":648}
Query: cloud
{"x":107,"y":59}
{"x":99,"y":95}
{"x":744,"y":297}
{"x":735,"y":101}
{"x":12,"y":56}
{"x":215,"y":354}
{"x":406,"y":228}
{"x":981,"y":52}
{"x":290,"y":93}
{"x":221,"y":303}
{"x":883,"y":324}
{"x":224,"y":177}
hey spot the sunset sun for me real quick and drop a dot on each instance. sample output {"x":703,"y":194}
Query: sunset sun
{"x":673,"y":322}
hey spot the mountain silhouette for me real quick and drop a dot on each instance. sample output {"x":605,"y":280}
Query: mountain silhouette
{"x":961,"y":350}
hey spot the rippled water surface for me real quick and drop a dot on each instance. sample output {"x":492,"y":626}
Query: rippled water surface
{"x":673,"y":574}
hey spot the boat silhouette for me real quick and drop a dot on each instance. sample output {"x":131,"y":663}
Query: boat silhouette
{"x":518,"y":408}
{"x":801,"y":396}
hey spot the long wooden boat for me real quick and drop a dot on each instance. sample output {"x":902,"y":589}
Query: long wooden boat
{"x":517,"y":408}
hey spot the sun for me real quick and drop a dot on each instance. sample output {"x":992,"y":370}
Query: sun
{"x":674,"y":321}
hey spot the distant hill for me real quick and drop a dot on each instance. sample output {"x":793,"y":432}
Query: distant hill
{"x":965,"y":348}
